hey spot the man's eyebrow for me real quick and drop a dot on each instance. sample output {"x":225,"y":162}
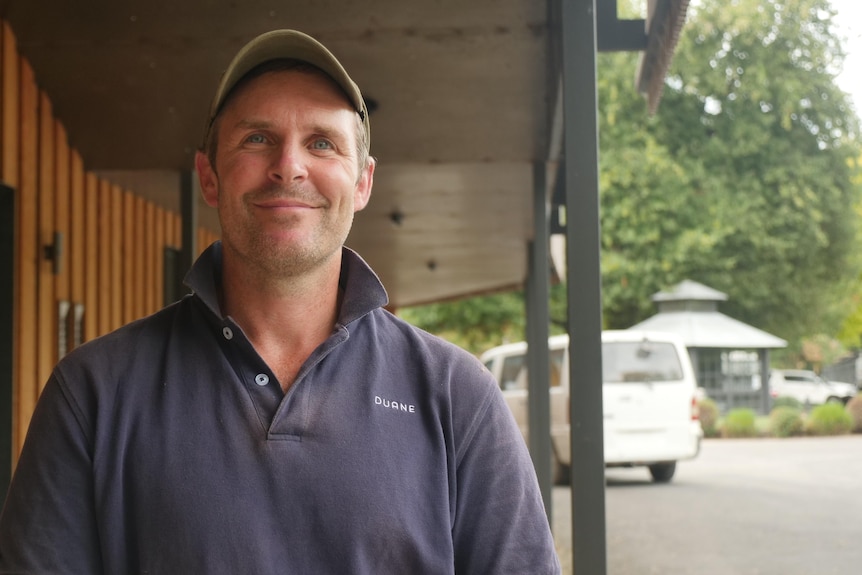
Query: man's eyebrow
{"x":329,"y":132}
{"x":253,"y":124}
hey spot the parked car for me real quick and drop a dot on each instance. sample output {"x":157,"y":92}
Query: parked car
{"x":649,"y":399}
{"x":808,"y":388}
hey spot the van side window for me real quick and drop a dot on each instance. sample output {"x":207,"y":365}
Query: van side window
{"x":511,"y":376}
{"x":557,"y":366}
{"x":640,"y":361}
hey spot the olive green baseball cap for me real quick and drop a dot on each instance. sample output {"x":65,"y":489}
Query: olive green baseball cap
{"x":287,"y":44}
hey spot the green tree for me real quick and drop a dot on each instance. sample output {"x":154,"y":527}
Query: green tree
{"x":476,"y":323}
{"x":482,"y":322}
{"x":741,"y":180}
{"x":651,"y":211}
{"x":850,"y":334}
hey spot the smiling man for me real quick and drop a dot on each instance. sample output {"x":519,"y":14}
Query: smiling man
{"x":278,"y":419}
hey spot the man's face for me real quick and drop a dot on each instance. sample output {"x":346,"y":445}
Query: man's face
{"x":286,"y":179}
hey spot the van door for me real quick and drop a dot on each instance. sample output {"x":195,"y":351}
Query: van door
{"x":647,"y":401}
{"x":514,"y":382}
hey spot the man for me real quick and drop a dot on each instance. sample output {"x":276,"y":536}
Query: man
{"x":278,"y":420}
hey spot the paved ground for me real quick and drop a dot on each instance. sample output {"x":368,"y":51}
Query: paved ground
{"x":743,"y":507}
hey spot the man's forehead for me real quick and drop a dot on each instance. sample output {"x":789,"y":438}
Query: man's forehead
{"x":285,"y":77}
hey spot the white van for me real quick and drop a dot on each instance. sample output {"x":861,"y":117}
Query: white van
{"x":649,"y":399}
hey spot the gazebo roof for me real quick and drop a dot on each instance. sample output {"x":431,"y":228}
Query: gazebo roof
{"x":703,"y":326}
{"x":711,"y":329}
{"x":690,"y":290}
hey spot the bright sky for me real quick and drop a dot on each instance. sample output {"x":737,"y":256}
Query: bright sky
{"x":850,"y":23}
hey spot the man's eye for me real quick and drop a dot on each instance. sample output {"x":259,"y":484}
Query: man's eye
{"x":321,"y":145}
{"x":256,"y":139}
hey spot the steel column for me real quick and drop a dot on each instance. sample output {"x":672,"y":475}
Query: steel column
{"x":765,"y":397}
{"x":580,"y":110}
{"x":538,"y":355}
{"x":189,"y":215}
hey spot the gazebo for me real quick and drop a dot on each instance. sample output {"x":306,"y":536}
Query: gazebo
{"x":730,"y":358}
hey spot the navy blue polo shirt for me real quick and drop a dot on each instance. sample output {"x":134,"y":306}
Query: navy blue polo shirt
{"x":168,"y":447}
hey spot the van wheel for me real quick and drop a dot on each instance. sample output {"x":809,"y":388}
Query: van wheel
{"x":560,"y":474}
{"x":662,"y":472}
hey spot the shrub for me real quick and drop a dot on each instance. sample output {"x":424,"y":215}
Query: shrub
{"x":786,"y":421}
{"x":829,"y":419}
{"x":739,"y":423}
{"x":854,"y":408}
{"x":708,"y":417}
{"x":787,"y":401}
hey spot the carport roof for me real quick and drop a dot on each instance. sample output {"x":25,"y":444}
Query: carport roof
{"x":466,"y":93}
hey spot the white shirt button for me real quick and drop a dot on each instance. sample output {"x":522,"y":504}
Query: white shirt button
{"x":227,"y":332}
{"x":261,"y":379}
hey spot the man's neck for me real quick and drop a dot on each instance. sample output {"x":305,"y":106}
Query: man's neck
{"x":285,"y":319}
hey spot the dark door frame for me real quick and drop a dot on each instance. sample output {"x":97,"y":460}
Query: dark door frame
{"x":7,"y":342}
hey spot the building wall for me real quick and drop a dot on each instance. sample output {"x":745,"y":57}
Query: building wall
{"x":110,"y":267}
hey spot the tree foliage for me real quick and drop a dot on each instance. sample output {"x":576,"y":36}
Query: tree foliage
{"x":480,"y":323}
{"x":850,"y":334}
{"x":743,"y":180}
{"x":466,"y":322}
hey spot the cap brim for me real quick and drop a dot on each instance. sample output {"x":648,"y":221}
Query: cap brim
{"x":286,"y":44}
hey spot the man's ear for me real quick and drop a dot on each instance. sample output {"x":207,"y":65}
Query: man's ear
{"x":208,"y":179}
{"x":363,"y":187}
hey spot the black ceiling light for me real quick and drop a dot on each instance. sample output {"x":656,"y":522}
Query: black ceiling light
{"x":396,"y":216}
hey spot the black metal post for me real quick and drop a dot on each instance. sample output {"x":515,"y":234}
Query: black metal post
{"x":765,"y":397}
{"x":538,"y":354}
{"x":189,"y":216}
{"x":580,"y":110}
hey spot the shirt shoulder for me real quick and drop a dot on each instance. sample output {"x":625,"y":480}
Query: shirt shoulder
{"x":98,"y":366}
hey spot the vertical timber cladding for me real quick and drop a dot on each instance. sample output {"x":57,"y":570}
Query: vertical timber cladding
{"x":128,"y":256}
{"x":91,"y":256}
{"x":26,"y":272}
{"x":77,"y":247}
{"x":10,"y":127}
{"x":147,"y":252}
{"x":10,"y":63}
{"x":160,"y":230}
{"x":117,"y":283}
{"x":108,"y":263}
{"x":58,"y":238}
{"x":104,"y":258}
{"x":46,"y":309}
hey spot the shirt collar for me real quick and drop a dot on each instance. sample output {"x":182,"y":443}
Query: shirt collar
{"x":363,"y":291}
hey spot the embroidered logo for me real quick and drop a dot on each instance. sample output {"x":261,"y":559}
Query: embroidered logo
{"x":396,"y":405}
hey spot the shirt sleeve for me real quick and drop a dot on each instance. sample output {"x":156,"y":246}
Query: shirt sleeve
{"x":48,"y":522}
{"x":501,"y":526}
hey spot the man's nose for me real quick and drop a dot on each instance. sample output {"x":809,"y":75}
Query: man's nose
{"x":288,"y":164}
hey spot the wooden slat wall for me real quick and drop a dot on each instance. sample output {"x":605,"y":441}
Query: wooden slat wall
{"x":128,"y":256}
{"x":113,"y":240}
{"x":46,"y":321}
{"x":77,"y":235}
{"x":10,"y":107}
{"x":91,"y":257}
{"x":104,"y":258}
{"x":28,"y":256}
{"x":61,"y":226}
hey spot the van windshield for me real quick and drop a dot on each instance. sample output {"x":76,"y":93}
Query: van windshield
{"x":624,"y":362}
